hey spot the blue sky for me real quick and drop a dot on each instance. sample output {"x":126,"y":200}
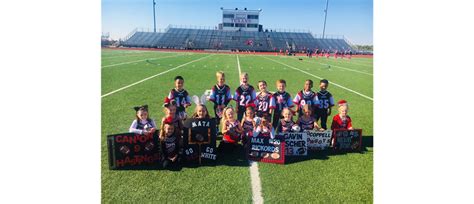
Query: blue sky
{"x":351,"y":18}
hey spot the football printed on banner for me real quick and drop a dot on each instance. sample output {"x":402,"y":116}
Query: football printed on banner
{"x":266,"y":149}
{"x":348,"y":140}
{"x":199,"y":140}
{"x":319,"y":140}
{"x":296,"y":143}
{"x":129,"y":150}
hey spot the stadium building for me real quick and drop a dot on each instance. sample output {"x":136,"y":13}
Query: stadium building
{"x":240,"y":30}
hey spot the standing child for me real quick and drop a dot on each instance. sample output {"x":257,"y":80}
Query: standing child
{"x":265,"y":128}
{"x":306,"y":96}
{"x":244,"y":95}
{"x":264,"y":102}
{"x":220,"y":95}
{"x":231,"y":128}
{"x":282,"y":101}
{"x":307,"y":121}
{"x":342,"y":120}
{"x":142,"y":124}
{"x":286,"y":124}
{"x":169,"y":140}
{"x":180,"y":96}
{"x":326,"y":102}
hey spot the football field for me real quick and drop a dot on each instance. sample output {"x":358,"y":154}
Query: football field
{"x":131,"y":78}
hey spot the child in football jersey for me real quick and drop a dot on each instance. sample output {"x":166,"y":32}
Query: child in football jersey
{"x":220,"y":95}
{"x":286,"y":124}
{"x":306,"y":96}
{"x":231,"y":128}
{"x":180,"y":96}
{"x":326,"y":102}
{"x":342,"y":120}
{"x":171,"y":115}
{"x":282,"y":101}
{"x":244,"y":95}
{"x":265,"y":128}
{"x":307,"y":121}
{"x":248,"y":123}
{"x":200,"y":112}
{"x":169,"y":140}
{"x":142,"y":124}
{"x":264,"y":102}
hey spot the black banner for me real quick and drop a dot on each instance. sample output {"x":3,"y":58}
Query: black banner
{"x":129,"y":150}
{"x":348,"y":140}
{"x":199,"y":140}
{"x":265,"y":149}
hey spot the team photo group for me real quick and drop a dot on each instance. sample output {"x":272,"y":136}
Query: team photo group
{"x":256,"y":113}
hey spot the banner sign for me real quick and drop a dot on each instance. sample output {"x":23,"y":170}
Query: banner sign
{"x":130,"y":150}
{"x":348,"y":140}
{"x":319,"y":140}
{"x":266,"y":149}
{"x":296,"y":143}
{"x":199,"y":139}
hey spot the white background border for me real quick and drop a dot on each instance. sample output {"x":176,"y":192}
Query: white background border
{"x":50,"y":87}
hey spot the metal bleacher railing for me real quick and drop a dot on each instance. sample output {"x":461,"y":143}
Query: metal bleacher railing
{"x":205,"y":37}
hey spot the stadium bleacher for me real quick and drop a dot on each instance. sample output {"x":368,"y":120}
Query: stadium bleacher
{"x":200,"y":39}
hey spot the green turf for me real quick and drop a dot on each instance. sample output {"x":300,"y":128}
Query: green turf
{"x":321,"y":177}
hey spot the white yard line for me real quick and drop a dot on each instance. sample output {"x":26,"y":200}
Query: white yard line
{"x":350,"y":62}
{"x":342,"y":87}
{"x":309,"y":61}
{"x":254,"y":175}
{"x":346,"y":68}
{"x":151,"y":77}
{"x":256,"y":185}
{"x":238,"y":65}
{"x":118,"y":64}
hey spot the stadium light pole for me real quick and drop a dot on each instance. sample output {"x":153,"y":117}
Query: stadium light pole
{"x":325,"y":16}
{"x":154,"y":17}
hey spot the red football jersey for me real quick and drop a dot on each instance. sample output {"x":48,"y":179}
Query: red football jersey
{"x":338,"y":123}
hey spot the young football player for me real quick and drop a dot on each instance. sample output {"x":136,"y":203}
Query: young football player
{"x":265,"y":128}
{"x":342,"y":120}
{"x":200,"y":112}
{"x":326,"y":102}
{"x":142,"y":124}
{"x":231,"y":128}
{"x":265,"y":103}
{"x":286,"y":124}
{"x":180,"y":97}
{"x":307,"y":121}
{"x":244,"y":95}
{"x":248,"y":123}
{"x":169,"y":140}
{"x":282,"y":101}
{"x":171,"y":115}
{"x":220,"y":95}
{"x":306,"y":96}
